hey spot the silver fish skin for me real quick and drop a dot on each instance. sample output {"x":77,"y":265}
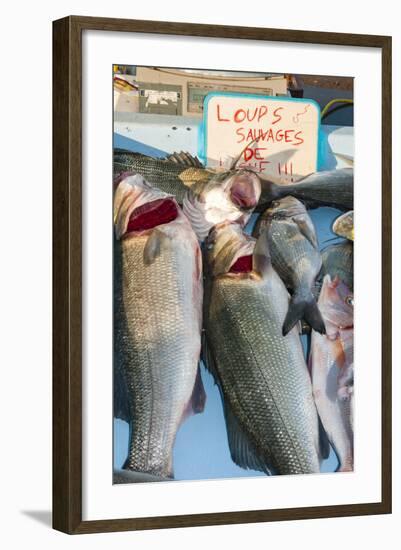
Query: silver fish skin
{"x":271,"y":418}
{"x":157,"y":326}
{"x":295,"y":256}
{"x":332,"y":367}
{"x":338,"y":261}
{"x":230,"y":196}
{"x":325,"y":188}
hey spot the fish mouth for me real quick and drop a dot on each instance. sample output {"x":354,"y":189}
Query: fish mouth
{"x":242,"y":193}
{"x":152,"y":214}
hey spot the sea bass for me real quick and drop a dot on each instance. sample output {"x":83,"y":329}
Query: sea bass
{"x":338,"y":261}
{"x":271,"y":418}
{"x":344,"y":225}
{"x":173,"y":175}
{"x":157,"y":322}
{"x":295,"y":256}
{"x":332,"y":367}
{"x":326,"y":188}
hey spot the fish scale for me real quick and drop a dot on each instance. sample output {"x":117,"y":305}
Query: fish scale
{"x":263,"y":375}
{"x":294,"y":257}
{"x":331,"y":188}
{"x":338,"y":260}
{"x":167,"y":176}
{"x":157,"y":344}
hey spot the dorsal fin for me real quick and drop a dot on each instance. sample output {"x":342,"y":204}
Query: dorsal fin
{"x":184,"y":159}
{"x":242,"y":449}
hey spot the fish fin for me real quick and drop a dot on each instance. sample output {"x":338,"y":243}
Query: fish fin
{"x":261,"y":260}
{"x":154,"y":246}
{"x":194,"y":211}
{"x":120,"y":397}
{"x":324,"y":444}
{"x":184,"y":159}
{"x":242,"y":450}
{"x":208,"y":359}
{"x":196,"y":403}
{"x":199,"y":263}
{"x":271,"y":191}
{"x":347,"y":159}
{"x":307,"y":229}
{"x":303,"y":308}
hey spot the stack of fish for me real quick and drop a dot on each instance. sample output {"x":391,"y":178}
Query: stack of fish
{"x":257,"y":290}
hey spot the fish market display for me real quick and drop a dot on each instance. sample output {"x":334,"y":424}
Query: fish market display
{"x":271,"y":418}
{"x":157,"y":316}
{"x":332,"y":367}
{"x":338,"y":261}
{"x":228,"y":196}
{"x":325,"y":188}
{"x":295,"y":256}
{"x":344,"y":225}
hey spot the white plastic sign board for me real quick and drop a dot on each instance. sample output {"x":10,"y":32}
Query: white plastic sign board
{"x":286,"y":131}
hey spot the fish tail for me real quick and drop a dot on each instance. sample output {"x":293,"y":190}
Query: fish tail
{"x":301,"y":307}
{"x":271,"y":191}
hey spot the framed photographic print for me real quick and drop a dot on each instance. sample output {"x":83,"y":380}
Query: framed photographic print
{"x":222,"y":320}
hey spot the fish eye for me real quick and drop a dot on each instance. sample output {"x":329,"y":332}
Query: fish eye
{"x":349,"y":300}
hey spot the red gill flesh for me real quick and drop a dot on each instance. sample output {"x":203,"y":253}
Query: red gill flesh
{"x":152,"y":214}
{"x":242,"y":265}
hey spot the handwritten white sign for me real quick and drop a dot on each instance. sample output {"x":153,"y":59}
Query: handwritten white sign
{"x":285,"y":130}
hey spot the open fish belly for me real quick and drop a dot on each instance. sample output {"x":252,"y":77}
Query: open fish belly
{"x":157,"y":344}
{"x":263,"y":375}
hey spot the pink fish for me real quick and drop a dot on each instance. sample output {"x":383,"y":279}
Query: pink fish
{"x":332,"y":366}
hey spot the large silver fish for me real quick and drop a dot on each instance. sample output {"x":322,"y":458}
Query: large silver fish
{"x":332,"y":366}
{"x":173,"y":175}
{"x":271,"y":418}
{"x":295,"y":256}
{"x":157,"y":322}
